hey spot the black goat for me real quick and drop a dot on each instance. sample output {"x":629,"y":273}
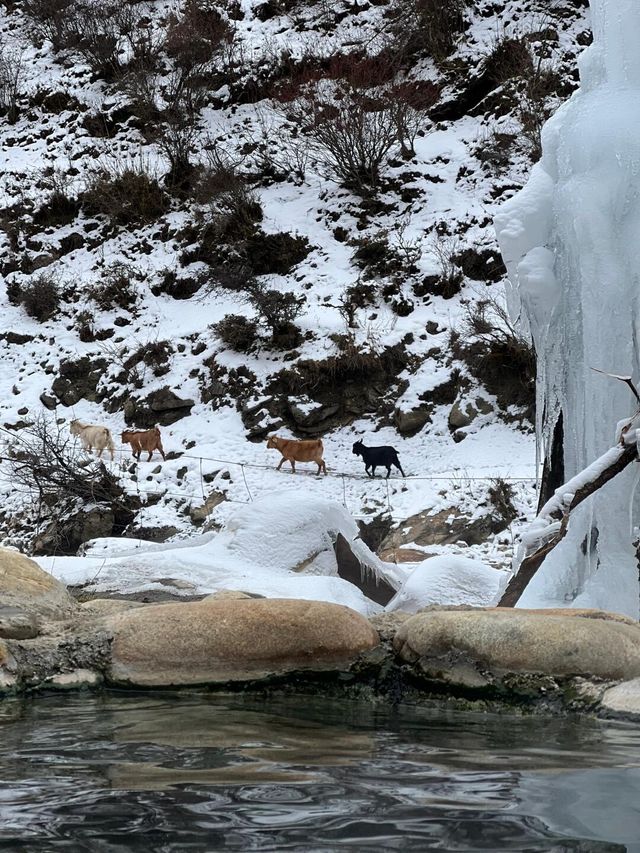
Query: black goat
{"x":374,"y":456}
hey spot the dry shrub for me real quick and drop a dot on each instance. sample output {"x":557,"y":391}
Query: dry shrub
{"x":275,"y":254}
{"x":98,"y":30}
{"x":501,"y":496}
{"x":40,"y":296}
{"x":11,"y":80}
{"x":354,"y":131}
{"x":48,"y":462}
{"x":237,"y":332}
{"x":117,"y":288}
{"x":155,"y":354}
{"x":195,"y":42}
{"x":427,"y":27}
{"x":221,"y":386}
{"x":194,"y":38}
{"x":498,"y":355}
{"x":128,"y":194}
{"x":353,"y":362}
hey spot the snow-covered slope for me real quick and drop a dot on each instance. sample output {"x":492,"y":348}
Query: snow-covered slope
{"x":416,"y":255}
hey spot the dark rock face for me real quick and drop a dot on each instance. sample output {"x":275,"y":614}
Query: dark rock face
{"x":65,"y":536}
{"x":78,"y":380}
{"x":162,"y":407}
{"x":444,"y":528}
{"x":351,"y":569}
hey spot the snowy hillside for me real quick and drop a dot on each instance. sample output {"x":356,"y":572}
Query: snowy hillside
{"x":188,"y":239}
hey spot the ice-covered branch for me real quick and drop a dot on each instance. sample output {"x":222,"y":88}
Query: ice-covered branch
{"x":550,"y":525}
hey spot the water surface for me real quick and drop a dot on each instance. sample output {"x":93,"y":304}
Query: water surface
{"x":203,"y":772}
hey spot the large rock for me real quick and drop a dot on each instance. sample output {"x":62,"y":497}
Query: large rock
{"x":234,"y":640}
{"x":463,"y":645}
{"x":67,"y":535}
{"x":162,"y":407}
{"x":411,"y":421}
{"x":443,"y":528}
{"x":624,"y":698}
{"x":27,"y":588}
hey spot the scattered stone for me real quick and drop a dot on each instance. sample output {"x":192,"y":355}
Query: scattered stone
{"x":75,"y":679}
{"x":41,"y":261}
{"x":177,"y":583}
{"x":78,"y":380}
{"x":94,"y":523}
{"x":162,"y":407}
{"x":16,"y":338}
{"x":403,"y":555}
{"x":312,"y":414}
{"x":199,"y":514}
{"x":48,"y":401}
{"x":387,"y":624}
{"x":71,"y":242}
{"x":109,"y":606}
{"x":234,"y":640}
{"x":473,"y":647}
{"x":152,"y":534}
{"x":410,"y":422}
{"x":350,"y":569}
{"x":461,"y":416}
{"x":443,"y":528}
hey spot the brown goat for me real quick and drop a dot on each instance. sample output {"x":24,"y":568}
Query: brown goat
{"x":147,"y":439}
{"x":293,"y":451}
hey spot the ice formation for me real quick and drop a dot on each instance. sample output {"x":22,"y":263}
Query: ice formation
{"x":571,"y":242}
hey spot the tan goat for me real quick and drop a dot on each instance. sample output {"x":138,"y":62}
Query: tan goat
{"x":309,"y":450}
{"x":143,"y":439}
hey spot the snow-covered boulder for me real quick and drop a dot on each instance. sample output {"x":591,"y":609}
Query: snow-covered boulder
{"x":449,"y":580}
{"x":278,"y":547}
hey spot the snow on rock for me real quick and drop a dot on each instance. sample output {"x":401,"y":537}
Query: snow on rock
{"x":268,"y":547}
{"x":449,"y":580}
{"x":582,"y":205}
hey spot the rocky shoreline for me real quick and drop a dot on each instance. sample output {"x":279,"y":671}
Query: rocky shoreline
{"x":485,"y":659}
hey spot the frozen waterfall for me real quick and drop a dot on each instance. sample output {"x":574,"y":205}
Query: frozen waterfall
{"x":571,"y":242}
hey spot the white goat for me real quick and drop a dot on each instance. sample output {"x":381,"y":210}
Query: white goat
{"x":93,"y":435}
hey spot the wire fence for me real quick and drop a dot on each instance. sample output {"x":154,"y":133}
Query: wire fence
{"x":133,"y":485}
